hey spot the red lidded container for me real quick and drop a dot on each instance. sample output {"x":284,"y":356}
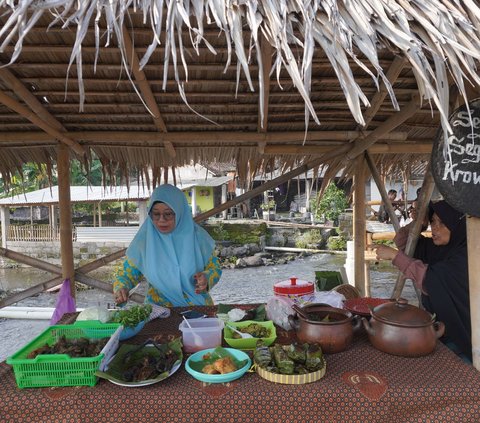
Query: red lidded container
{"x":293,"y":287}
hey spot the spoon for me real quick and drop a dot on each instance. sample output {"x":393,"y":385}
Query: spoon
{"x":197,"y":339}
{"x":243,"y":335}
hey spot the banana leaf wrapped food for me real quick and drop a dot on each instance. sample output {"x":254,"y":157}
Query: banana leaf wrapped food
{"x":296,"y":352}
{"x":314,"y":358}
{"x":262,"y":355}
{"x":284,"y":364}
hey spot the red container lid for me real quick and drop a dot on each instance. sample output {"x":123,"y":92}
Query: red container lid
{"x":294,"y":286}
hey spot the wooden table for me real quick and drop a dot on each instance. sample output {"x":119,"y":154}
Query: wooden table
{"x":360,"y":385}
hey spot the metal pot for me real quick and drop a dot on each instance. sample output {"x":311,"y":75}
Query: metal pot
{"x":330,"y":327}
{"x":402,"y":329}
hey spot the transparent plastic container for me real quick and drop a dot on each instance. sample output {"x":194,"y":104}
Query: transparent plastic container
{"x":204,"y":333}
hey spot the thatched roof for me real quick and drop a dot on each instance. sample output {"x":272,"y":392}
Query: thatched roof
{"x":166,"y":83}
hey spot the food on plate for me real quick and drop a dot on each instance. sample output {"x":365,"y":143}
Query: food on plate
{"x":225,"y":365}
{"x":210,"y":369}
{"x":142,"y":364}
{"x":290,"y":359}
{"x":220,"y":366}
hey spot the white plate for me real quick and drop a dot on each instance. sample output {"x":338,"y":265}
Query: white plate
{"x":147,"y":382}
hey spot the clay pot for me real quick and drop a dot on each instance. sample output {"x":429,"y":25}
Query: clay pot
{"x":401,"y":329}
{"x":330,"y":327}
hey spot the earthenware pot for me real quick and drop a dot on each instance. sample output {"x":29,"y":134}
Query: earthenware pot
{"x":402,"y":329}
{"x":330,"y":327}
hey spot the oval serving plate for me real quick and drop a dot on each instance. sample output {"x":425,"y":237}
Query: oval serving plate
{"x":116,"y":366}
{"x":362,"y":306}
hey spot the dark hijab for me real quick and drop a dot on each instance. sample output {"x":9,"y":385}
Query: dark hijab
{"x":446,"y":279}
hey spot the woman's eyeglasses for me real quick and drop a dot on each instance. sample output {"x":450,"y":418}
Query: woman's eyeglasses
{"x":168,"y":215}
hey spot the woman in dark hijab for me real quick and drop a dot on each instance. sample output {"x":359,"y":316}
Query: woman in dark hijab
{"x":439,"y":268}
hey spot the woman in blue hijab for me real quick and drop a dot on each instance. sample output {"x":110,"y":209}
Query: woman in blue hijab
{"x":172,"y":252}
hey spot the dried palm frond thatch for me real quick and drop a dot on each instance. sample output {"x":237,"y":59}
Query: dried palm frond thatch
{"x":440,"y":39}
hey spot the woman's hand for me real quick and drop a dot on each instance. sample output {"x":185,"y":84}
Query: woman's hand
{"x":121,"y":296}
{"x":201,"y":282}
{"x":384,"y":252}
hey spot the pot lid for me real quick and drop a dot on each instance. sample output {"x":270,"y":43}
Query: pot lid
{"x":401,"y":313}
{"x":293,"y":286}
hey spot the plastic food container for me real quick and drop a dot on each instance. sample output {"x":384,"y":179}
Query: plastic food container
{"x":204,"y":333}
{"x":286,"y":293}
{"x":47,"y":370}
{"x":249,"y":343}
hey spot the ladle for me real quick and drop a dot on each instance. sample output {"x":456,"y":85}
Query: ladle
{"x":300,"y":311}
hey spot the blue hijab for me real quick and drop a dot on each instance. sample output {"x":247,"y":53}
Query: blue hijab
{"x":169,"y":261}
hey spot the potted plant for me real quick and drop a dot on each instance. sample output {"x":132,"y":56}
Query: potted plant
{"x":269,"y":209}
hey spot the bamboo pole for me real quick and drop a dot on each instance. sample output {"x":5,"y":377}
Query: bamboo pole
{"x":32,"y":117}
{"x":415,"y":230}
{"x":473,"y":245}
{"x":359,"y":227}
{"x":391,"y":123}
{"x":262,"y":188}
{"x":36,"y":289}
{"x":30,"y":261}
{"x":65,"y":206}
{"x":383,"y":192}
{"x":190,"y":138}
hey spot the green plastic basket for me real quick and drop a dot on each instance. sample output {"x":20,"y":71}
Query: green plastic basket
{"x":60,"y":369}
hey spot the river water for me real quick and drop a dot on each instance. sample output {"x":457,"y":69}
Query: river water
{"x":248,"y":285}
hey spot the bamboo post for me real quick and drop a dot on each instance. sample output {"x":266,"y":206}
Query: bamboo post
{"x":415,"y":230}
{"x":5,"y":222}
{"x":383,"y":192}
{"x":65,"y":206}
{"x":473,"y":245}
{"x":359,"y":226}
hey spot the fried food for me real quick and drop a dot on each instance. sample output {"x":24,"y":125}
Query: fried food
{"x":210,"y":369}
{"x":225,"y":365}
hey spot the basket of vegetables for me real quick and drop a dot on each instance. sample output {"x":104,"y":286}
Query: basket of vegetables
{"x":132,"y":319}
{"x":290,"y":364}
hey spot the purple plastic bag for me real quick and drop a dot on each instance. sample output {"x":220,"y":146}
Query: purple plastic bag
{"x":65,"y":303}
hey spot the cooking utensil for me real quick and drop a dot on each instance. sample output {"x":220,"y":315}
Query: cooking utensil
{"x":242,"y":334}
{"x":402,"y":329}
{"x":330,"y":327}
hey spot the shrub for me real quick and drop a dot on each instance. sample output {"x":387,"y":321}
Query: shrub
{"x":337,"y":243}
{"x":310,"y":239}
{"x":330,"y":205}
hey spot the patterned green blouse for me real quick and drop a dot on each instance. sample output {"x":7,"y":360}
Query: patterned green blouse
{"x":129,"y":277}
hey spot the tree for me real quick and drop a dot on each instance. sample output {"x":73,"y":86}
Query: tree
{"x":330,"y":205}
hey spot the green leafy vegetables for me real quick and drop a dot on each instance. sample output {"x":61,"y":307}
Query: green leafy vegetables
{"x":131,"y":317}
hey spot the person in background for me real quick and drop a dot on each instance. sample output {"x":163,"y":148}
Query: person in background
{"x":439,"y":268}
{"x":173,"y":253}
{"x":382,"y":214}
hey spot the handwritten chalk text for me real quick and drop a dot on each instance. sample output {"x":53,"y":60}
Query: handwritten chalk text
{"x":457,"y":175}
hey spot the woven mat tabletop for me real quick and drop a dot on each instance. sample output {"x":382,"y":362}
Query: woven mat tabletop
{"x":360,"y":385}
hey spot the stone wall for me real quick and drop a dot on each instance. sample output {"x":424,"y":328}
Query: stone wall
{"x":49,"y":251}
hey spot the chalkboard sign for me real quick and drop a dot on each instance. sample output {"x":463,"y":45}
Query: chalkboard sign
{"x":458,"y":176}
